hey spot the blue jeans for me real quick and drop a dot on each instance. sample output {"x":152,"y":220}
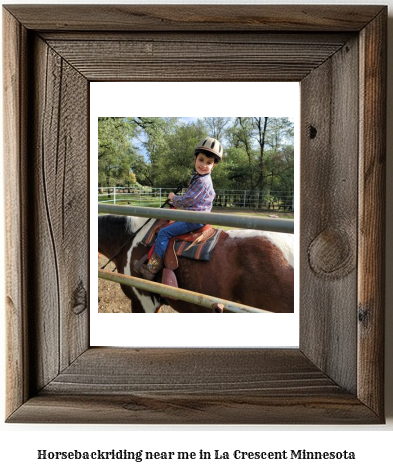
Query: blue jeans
{"x":165,"y":234}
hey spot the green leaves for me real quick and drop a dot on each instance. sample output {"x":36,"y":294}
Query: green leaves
{"x":159,"y":151}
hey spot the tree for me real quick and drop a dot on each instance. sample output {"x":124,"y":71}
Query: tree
{"x":216,"y":126}
{"x":159,"y":152}
{"x":115,"y":152}
{"x":260,"y":125}
{"x":151,"y":133}
{"x":240,"y":135}
{"x":280,"y":161}
{"x":176,"y":162}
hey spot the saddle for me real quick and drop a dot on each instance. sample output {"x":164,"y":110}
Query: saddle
{"x":196,"y":245}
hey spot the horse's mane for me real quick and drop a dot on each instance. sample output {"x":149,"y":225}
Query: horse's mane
{"x":110,"y":225}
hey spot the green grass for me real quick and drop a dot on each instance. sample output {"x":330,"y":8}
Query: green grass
{"x":147,"y":201}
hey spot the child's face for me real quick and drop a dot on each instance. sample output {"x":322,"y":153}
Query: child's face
{"x":203,"y":164}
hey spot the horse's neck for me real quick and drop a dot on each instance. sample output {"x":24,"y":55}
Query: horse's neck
{"x":136,"y":223}
{"x":113,"y":232}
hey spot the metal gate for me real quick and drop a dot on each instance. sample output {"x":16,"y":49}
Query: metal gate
{"x":245,"y":222}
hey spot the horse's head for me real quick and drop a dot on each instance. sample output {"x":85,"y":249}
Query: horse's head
{"x":118,"y":236}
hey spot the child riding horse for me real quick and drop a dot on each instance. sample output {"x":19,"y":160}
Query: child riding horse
{"x":198,"y":197}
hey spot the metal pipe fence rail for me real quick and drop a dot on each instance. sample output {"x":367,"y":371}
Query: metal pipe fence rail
{"x":258,"y":223}
{"x":178,"y":293}
{"x":226,"y":220}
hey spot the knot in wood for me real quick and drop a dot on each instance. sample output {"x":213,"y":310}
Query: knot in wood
{"x":330,"y":254}
{"x":364,"y":316}
{"x":313,"y":132}
{"x":79,"y":299}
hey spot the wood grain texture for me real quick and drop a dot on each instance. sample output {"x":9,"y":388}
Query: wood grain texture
{"x":336,"y":375}
{"x":190,"y":409}
{"x":328,"y":251}
{"x":194,"y":17}
{"x":201,"y":37}
{"x":58,"y":183}
{"x":372,"y":192}
{"x":16,"y":258}
{"x":193,"y":386}
{"x":188,"y":59}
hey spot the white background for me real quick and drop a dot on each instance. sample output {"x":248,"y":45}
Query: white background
{"x":372,"y":444}
{"x":173,"y":99}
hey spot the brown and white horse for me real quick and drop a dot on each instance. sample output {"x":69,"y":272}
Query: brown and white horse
{"x":254,"y":268}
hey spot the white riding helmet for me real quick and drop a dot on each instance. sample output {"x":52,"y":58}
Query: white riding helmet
{"x":211,"y":145}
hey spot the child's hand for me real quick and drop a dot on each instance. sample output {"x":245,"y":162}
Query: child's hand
{"x":170,"y":196}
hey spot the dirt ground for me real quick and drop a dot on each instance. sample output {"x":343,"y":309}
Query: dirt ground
{"x":111,"y":298}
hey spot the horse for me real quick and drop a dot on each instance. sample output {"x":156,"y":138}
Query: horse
{"x":251,"y":267}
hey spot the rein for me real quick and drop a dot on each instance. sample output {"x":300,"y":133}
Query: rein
{"x":134,"y":233}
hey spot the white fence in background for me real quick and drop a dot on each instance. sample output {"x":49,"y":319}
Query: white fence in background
{"x":155,"y":197}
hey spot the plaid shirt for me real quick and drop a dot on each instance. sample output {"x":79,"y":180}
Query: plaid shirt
{"x":199,"y":195}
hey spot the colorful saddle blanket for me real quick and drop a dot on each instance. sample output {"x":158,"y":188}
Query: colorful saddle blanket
{"x":197,"y":245}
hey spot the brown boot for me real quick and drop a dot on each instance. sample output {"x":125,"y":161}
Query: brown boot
{"x":152,"y":267}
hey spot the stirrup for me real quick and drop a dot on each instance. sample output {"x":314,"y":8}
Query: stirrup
{"x":146,"y":273}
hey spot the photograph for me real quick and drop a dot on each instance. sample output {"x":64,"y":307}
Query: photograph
{"x":236,"y":167}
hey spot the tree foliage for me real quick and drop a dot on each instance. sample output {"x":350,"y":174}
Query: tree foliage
{"x":115,"y":150}
{"x":159,"y":151}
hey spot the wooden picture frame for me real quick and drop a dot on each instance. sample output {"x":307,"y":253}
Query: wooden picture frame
{"x":338,"y":54}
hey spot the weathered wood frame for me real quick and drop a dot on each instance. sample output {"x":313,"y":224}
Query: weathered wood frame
{"x":338,"y":54}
